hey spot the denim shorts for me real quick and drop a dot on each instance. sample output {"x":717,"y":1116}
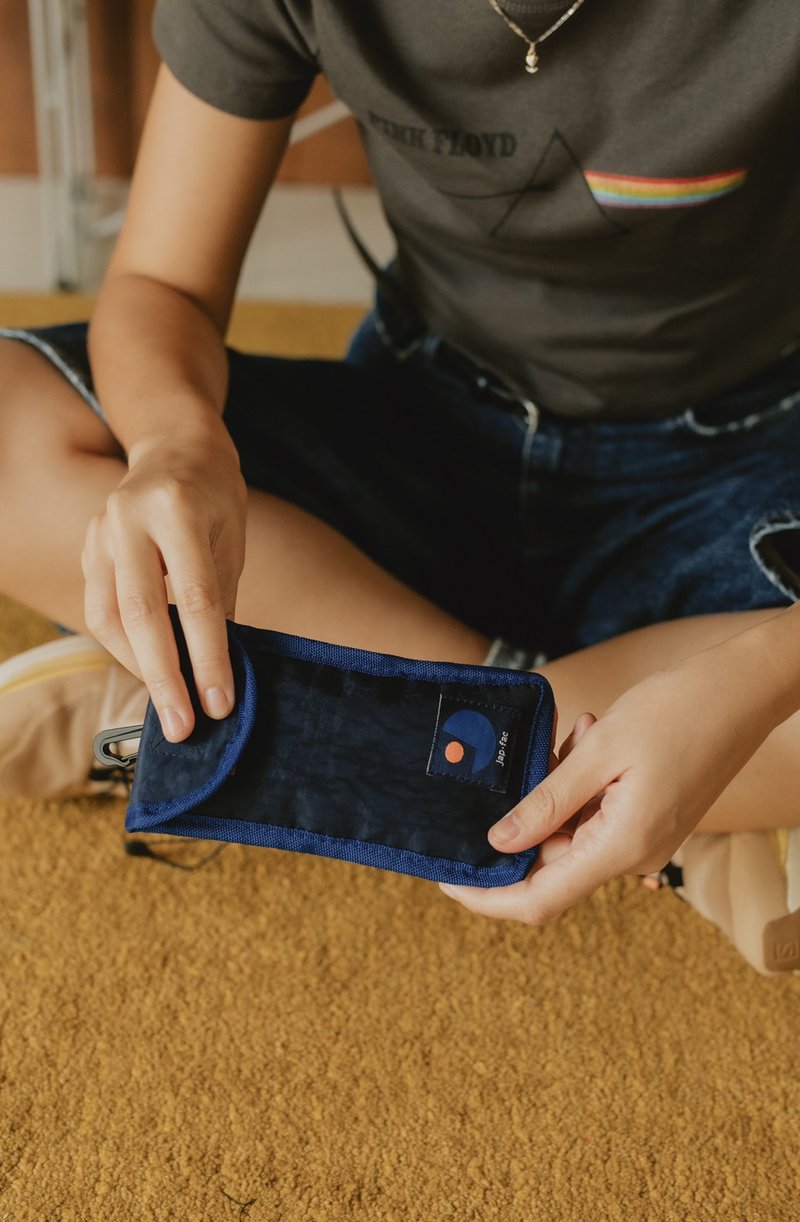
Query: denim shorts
{"x":549,"y":531}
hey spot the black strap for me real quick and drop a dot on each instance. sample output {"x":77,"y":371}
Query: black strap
{"x":398,"y":313}
{"x":141,"y":848}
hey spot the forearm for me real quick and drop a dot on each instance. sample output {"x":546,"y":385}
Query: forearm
{"x":763,"y":664}
{"x":158,"y":363}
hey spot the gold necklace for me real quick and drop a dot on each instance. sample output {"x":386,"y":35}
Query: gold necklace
{"x":532,"y":56}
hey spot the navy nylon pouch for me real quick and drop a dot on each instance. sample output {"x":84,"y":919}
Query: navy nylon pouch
{"x":368,"y":757}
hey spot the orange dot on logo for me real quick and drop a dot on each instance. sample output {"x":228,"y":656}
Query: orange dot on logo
{"x":454,"y":753}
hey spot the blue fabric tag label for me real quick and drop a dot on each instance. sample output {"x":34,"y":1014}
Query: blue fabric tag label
{"x":473,"y":742}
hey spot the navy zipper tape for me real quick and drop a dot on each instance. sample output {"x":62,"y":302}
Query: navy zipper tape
{"x":383,"y":665}
{"x":361,"y":852}
{"x":170,"y":816}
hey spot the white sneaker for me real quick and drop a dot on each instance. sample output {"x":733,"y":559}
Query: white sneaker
{"x":54,"y":699}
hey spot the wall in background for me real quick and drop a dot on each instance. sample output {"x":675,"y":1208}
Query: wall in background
{"x":124,"y":64}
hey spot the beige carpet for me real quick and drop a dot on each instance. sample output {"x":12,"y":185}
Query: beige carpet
{"x":280,"y":1037}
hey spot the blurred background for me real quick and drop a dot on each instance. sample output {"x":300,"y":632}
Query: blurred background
{"x":75,"y":79}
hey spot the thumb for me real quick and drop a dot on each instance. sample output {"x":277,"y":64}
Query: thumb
{"x":579,"y":776}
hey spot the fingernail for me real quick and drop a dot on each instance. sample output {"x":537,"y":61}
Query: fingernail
{"x":506,"y":829}
{"x":172,"y":722}
{"x":218,"y":702}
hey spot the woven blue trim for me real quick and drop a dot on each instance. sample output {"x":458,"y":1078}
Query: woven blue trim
{"x":283,"y":644}
{"x":538,"y":758}
{"x":363,"y":852}
{"x":151,"y":814}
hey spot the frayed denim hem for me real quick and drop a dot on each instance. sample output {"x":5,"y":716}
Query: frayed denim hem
{"x":764,"y":547}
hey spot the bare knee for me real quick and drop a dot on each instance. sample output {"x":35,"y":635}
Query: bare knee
{"x":42,"y":413}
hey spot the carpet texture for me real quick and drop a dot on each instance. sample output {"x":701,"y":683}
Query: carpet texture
{"x":276,"y":1037}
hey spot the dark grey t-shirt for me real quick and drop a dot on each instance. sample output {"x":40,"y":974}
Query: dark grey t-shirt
{"x":618,"y":235}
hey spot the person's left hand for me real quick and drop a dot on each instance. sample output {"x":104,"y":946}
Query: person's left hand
{"x":627,"y":788}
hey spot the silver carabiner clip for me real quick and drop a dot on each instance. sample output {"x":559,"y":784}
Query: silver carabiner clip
{"x":103,"y":740}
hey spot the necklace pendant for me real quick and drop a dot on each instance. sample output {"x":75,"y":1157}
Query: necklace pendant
{"x":532,"y":59}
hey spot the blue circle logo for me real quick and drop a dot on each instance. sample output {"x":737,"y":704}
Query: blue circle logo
{"x":471,"y":729}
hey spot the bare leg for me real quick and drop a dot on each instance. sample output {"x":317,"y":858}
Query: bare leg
{"x":59,"y":462}
{"x":763,"y":794}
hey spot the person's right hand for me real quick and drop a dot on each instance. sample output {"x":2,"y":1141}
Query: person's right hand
{"x":179,"y":512}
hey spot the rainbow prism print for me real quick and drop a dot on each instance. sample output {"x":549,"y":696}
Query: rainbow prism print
{"x":630,"y":191}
